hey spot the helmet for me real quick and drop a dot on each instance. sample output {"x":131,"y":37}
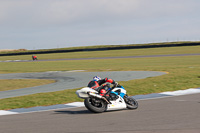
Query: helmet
{"x":96,"y":78}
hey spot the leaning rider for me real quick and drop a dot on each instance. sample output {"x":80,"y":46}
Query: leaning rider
{"x":97,"y":84}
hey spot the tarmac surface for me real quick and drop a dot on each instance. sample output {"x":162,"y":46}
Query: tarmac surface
{"x":116,"y":57}
{"x":69,"y":80}
{"x":170,"y":114}
{"x":179,"y":114}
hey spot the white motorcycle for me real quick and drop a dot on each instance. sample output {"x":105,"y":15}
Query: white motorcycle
{"x":115,"y":98}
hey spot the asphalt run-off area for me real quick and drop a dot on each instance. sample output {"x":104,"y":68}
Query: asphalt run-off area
{"x":164,"y":112}
{"x":76,"y":79}
{"x":69,"y":80}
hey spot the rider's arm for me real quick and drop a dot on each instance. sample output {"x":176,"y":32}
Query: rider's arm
{"x":106,"y":80}
{"x":110,"y":81}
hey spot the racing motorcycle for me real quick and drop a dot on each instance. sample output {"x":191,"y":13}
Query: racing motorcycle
{"x":115,"y":98}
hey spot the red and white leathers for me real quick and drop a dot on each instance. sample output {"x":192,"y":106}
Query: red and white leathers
{"x":98,"y":85}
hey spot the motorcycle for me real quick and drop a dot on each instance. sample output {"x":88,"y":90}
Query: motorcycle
{"x":115,"y":98}
{"x":34,"y":57}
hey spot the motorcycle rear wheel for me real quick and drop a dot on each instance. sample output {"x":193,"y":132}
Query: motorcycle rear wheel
{"x":131,"y":103}
{"x":95,"y":105}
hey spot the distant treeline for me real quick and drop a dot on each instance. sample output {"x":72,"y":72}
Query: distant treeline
{"x":156,"y":45}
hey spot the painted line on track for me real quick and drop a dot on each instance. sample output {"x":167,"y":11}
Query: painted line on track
{"x":168,"y":94}
{"x":81,"y":104}
{"x":15,"y":61}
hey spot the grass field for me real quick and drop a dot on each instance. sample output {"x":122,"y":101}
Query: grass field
{"x":109,"y":53}
{"x":13,"y":84}
{"x":183,"y":72}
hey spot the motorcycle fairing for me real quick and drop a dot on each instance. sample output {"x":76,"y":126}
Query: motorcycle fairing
{"x":122,"y":91}
{"x":83,"y":93}
{"x":117,"y":104}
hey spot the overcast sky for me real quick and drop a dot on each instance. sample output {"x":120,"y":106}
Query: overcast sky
{"x":44,"y":24}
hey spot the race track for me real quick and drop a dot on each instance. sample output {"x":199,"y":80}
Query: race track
{"x":69,"y":80}
{"x":178,"y":114}
{"x":170,"y":114}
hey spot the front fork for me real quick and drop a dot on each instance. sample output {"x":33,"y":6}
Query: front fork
{"x":126,"y":98}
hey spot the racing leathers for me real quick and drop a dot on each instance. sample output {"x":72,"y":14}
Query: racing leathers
{"x":98,"y":85}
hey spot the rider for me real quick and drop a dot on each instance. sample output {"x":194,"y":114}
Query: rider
{"x":34,"y":57}
{"x":97,"y":84}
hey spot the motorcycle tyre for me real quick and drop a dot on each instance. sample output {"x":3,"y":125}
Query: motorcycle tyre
{"x":94,"y":109}
{"x":129,"y":106}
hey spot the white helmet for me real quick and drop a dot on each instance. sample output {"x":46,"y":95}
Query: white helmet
{"x":96,"y":78}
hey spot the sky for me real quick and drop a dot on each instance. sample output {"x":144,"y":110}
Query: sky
{"x":46,"y":24}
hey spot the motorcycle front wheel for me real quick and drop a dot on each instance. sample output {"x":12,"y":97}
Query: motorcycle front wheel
{"x":131,"y":103}
{"x":95,"y":105}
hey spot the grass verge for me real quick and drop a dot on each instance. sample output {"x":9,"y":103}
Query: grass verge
{"x":109,"y":53}
{"x":183,"y":74}
{"x":13,"y":84}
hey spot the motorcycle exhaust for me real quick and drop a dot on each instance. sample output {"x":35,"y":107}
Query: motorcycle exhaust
{"x":98,"y":96}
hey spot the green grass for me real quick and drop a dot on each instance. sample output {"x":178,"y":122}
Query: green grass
{"x":39,"y":99}
{"x":110,"y":53}
{"x":183,"y":74}
{"x":13,"y":84}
